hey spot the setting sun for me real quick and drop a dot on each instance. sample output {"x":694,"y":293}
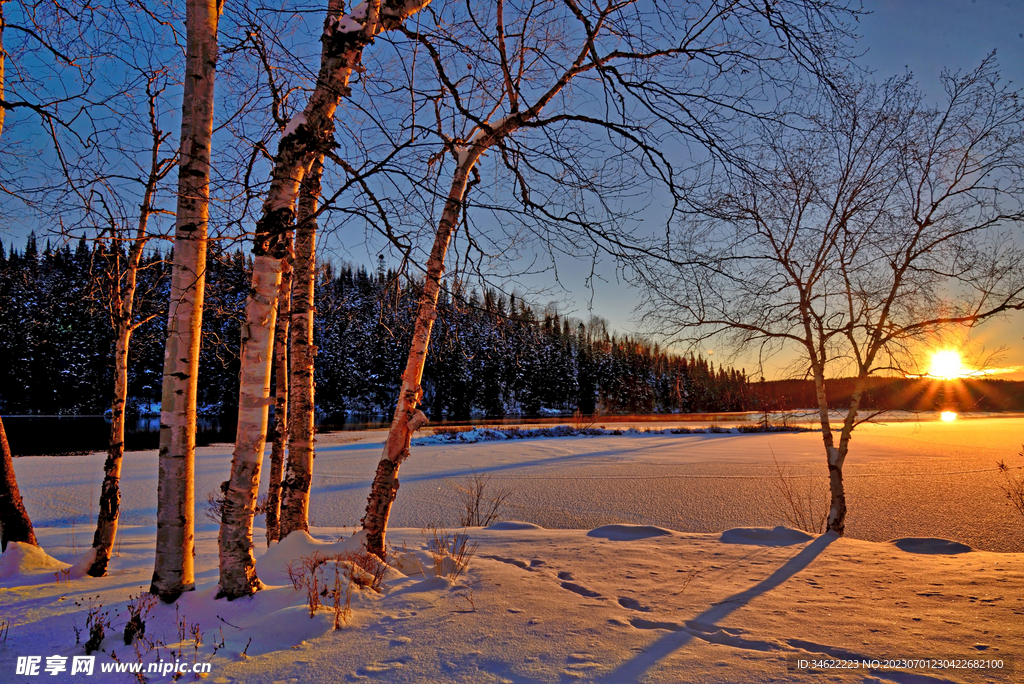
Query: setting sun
{"x":947,"y":365}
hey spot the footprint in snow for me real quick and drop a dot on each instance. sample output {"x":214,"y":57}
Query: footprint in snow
{"x":579,"y":589}
{"x":633,"y":604}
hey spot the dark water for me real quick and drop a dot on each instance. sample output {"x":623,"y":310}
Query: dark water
{"x":58,"y":435}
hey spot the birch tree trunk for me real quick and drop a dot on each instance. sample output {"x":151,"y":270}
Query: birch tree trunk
{"x":307,"y":134}
{"x":15,"y":525}
{"x":281,"y":419}
{"x":122,"y":305}
{"x":408,"y":418}
{"x":110,"y":490}
{"x":295,"y":488}
{"x":237,"y":563}
{"x":837,"y":508}
{"x":173,"y":571}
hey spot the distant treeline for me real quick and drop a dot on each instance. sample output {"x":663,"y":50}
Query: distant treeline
{"x":490,"y":356}
{"x":909,"y":394}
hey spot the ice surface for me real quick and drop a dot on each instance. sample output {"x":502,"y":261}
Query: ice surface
{"x":902,"y":480}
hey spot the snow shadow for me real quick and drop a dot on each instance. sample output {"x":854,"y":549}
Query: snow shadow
{"x":704,"y":624}
{"x":459,"y":473}
{"x":930,"y":546}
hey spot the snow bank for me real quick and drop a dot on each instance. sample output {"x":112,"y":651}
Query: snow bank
{"x":28,"y":564}
{"x":272,"y":567}
{"x":484,"y":434}
{"x":474,"y":435}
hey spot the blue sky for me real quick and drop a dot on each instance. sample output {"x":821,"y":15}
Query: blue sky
{"x":923,"y":37}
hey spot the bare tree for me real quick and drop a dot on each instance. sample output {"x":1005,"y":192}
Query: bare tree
{"x":307,"y":134}
{"x":121,"y":280}
{"x":871,"y":226}
{"x":173,"y":571}
{"x":61,"y":54}
{"x":576,"y":120}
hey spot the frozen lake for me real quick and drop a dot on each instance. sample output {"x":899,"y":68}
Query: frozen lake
{"x":904,"y":479}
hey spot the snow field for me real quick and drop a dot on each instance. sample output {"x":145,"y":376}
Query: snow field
{"x":616,"y":604}
{"x":633,"y":600}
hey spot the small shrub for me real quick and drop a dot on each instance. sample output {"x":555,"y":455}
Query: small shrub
{"x":342,"y":609}
{"x":359,"y":568}
{"x":480,"y":505}
{"x":582,"y":422}
{"x":139,"y":608}
{"x":805,"y":510}
{"x":451,"y":552}
{"x":97,"y":622}
{"x":214,"y":509}
{"x":1013,"y":485}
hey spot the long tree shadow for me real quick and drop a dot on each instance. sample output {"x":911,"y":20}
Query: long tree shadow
{"x":679,"y":636}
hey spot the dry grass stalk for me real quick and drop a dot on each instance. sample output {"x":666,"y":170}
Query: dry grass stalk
{"x":359,"y":568}
{"x":451,"y":552}
{"x":805,"y":509}
{"x":480,"y":506}
{"x":581,"y":421}
{"x":1013,"y":485}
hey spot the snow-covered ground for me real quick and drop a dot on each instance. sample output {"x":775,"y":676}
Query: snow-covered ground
{"x":635,"y":562}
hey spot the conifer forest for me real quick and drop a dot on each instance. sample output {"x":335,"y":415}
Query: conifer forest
{"x":495,"y":356}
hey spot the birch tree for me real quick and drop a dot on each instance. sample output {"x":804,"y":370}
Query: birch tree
{"x":173,"y":571}
{"x":295,"y":487}
{"x":874,"y":226}
{"x":534,"y":84}
{"x":281,"y":422}
{"x":307,"y":134}
{"x":121,"y":283}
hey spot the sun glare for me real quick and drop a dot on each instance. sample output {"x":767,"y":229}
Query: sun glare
{"x":948,"y":416}
{"x":946,"y":365}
